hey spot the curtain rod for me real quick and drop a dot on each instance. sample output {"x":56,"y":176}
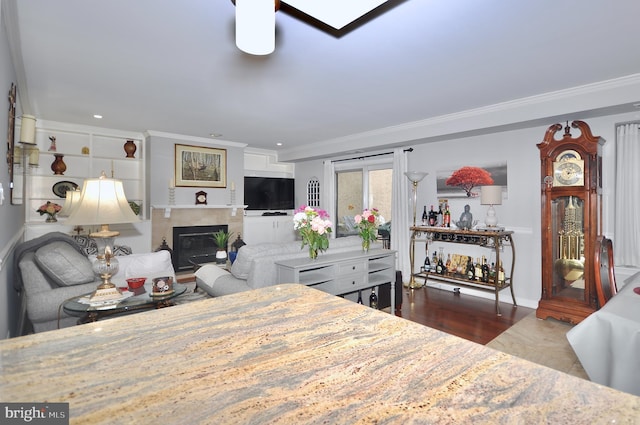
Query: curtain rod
{"x":370,"y":156}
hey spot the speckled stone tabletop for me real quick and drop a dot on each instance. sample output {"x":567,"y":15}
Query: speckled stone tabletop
{"x":288,"y":354}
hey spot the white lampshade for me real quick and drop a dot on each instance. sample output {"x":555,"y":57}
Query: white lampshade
{"x":491,"y":195}
{"x":28,"y":129}
{"x":256,"y":26}
{"x":415,"y":176}
{"x":71,"y":201}
{"x":102,"y":202}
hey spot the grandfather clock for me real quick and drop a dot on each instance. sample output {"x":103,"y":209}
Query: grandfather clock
{"x":571,"y":170}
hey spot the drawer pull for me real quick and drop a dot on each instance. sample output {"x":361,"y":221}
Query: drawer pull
{"x":353,"y":283}
{"x":353,"y":267}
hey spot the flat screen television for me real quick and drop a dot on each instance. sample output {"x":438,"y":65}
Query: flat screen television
{"x":269,"y":193}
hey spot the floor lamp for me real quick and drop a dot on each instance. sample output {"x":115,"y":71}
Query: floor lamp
{"x":414,"y":177}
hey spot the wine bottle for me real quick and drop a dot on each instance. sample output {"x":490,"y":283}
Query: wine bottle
{"x":500,"y":273}
{"x":427,"y":263}
{"x":478,"y":270}
{"x":425,"y":218}
{"x":447,"y":217}
{"x":373,"y":299}
{"x":434,"y":259}
{"x":360,"y":297}
{"x":440,"y":266}
{"x":439,"y":216}
{"x":447,"y":265}
{"x":485,"y":270}
{"x":433,"y":217}
{"x":471,"y":274}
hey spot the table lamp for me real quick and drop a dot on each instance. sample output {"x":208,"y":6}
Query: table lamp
{"x":414,"y":177}
{"x":103,"y":202}
{"x":491,"y":195}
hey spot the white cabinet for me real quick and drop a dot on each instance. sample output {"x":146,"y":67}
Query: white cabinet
{"x":342,"y":273}
{"x":274,"y":228}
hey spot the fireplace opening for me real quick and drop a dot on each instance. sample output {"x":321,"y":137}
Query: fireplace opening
{"x":193,"y":240}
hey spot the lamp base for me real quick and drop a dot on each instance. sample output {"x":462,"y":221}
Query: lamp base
{"x":105,"y":294}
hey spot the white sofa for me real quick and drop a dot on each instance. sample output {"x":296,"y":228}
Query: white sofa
{"x":255,"y":266}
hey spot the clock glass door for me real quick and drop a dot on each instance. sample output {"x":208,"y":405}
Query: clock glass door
{"x":567,"y":221}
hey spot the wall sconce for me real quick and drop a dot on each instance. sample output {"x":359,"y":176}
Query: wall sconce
{"x":27,"y":138}
{"x":491,"y":195}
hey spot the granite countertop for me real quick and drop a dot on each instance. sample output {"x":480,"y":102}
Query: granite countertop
{"x":290,"y":354}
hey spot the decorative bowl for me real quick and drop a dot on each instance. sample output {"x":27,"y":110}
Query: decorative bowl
{"x":136,"y":282}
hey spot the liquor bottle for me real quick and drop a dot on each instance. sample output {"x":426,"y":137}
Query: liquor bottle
{"x":360,"y":297}
{"x":425,"y":217}
{"x":500,"y":273}
{"x":478,"y":270}
{"x":439,"y":218}
{"x":485,"y":270}
{"x":373,"y":299}
{"x":492,"y":273}
{"x":433,"y":217}
{"x":470,"y":272}
{"x":427,"y":263}
{"x":434,"y":259}
{"x":447,"y":265}
{"x":440,"y":266}
{"x":447,"y":216}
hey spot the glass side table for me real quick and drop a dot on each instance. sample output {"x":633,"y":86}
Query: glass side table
{"x":142,"y":300}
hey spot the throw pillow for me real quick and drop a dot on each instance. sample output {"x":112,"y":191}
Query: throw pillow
{"x":64,"y":264}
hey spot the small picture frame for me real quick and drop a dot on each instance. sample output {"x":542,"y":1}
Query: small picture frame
{"x":198,"y":166}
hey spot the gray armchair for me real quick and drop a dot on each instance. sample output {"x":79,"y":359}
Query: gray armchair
{"x":49,"y":270}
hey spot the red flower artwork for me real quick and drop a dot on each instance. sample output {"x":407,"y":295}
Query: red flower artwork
{"x":469,"y":177}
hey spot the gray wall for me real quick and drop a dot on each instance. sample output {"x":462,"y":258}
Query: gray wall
{"x":11,"y":217}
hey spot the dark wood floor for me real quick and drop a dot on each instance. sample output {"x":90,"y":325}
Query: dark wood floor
{"x":468,"y":317}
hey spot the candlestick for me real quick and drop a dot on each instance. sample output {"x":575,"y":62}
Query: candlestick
{"x":172,"y":183}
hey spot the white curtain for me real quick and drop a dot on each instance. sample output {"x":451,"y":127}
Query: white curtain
{"x":400,"y":211}
{"x":627,"y":198}
{"x":328,"y":198}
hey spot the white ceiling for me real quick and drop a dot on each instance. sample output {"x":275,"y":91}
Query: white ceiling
{"x":172,"y":66}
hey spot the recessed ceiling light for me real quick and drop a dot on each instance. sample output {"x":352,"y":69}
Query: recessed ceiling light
{"x":214,"y":135}
{"x":97,"y":116}
{"x":279,"y":144}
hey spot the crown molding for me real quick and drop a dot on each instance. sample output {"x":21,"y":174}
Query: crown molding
{"x":183,"y":137}
{"x":603,"y":96}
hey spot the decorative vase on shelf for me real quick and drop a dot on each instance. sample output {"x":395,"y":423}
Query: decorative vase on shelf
{"x":130,"y":148}
{"x":51,"y":218}
{"x":58,"y":166}
{"x":313,"y":253}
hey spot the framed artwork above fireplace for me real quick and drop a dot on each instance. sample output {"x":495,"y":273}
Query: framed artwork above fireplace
{"x":198,"y":166}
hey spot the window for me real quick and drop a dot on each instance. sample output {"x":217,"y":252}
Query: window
{"x":313,"y":192}
{"x":360,"y":185}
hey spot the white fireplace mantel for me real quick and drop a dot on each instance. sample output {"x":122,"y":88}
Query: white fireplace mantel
{"x":168,"y":208}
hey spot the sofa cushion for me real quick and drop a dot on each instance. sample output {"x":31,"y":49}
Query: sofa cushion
{"x":64,"y":265}
{"x":242,"y":266}
{"x":149,"y":265}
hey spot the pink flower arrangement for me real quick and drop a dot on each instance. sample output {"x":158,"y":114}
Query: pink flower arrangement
{"x":49,"y":208}
{"x":314,"y":227}
{"x":469,"y":177}
{"x":367,"y":224}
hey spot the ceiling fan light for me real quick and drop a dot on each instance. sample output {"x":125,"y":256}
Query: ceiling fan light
{"x":255,"y":26}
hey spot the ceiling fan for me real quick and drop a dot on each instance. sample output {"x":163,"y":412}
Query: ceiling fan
{"x":255,"y":19}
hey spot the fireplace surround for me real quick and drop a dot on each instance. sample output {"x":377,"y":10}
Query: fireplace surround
{"x":193,"y":240}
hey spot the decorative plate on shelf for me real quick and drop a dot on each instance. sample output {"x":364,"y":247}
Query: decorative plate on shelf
{"x":60,"y":189}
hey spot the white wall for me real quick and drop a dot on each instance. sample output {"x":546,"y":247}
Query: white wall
{"x":520,"y":212}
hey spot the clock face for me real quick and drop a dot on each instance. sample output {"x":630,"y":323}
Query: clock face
{"x":201,"y":198}
{"x":568,"y":173}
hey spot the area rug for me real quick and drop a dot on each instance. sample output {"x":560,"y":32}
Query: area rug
{"x":540,"y":341}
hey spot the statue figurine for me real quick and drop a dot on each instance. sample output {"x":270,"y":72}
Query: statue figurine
{"x":466,"y":219}
{"x":53,"y":147}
